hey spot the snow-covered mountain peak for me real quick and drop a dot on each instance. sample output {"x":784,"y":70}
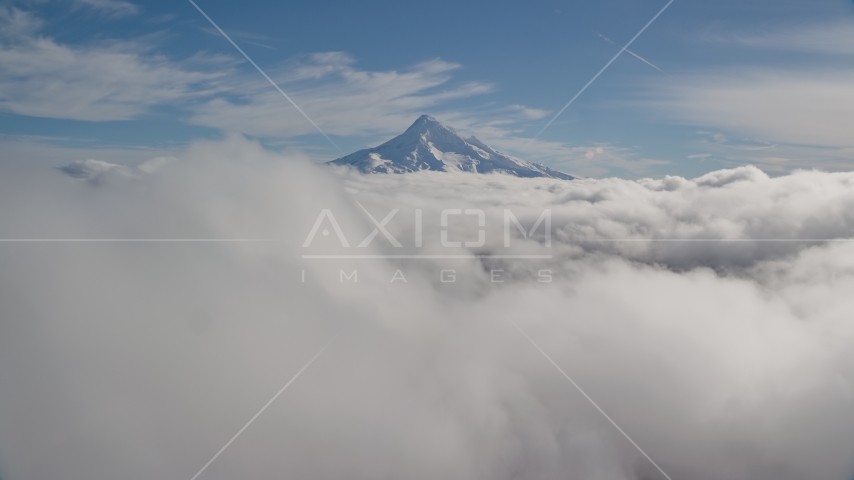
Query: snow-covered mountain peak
{"x":429,"y":145}
{"x":426,"y":123}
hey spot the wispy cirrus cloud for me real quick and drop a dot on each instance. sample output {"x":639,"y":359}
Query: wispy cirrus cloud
{"x":820,"y":38}
{"x":780,"y":115}
{"x":123,"y":80}
{"x":796,"y":113}
{"x":17,"y":23}
{"x":342,"y":98}
{"x":103,"y":81}
{"x":110,"y":8}
{"x":510,"y":136}
{"x":349,"y":101}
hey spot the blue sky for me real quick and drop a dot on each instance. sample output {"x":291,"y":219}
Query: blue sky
{"x":761,"y":82}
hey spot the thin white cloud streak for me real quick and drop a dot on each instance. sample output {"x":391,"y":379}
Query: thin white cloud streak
{"x":584,"y":160}
{"x":773,"y":105}
{"x":346,"y":100}
{"x":111,"y":81}
{"x":779,"y":158}
{"x":350,"y":101}
{"x":800,"y":115}
{"x":275,"y":85}
{"x":17,"y":23}
{"x":111,"y":8}
{"x":833,"y":38}
{"x":148,"y":355}
{"x":123,"y":80}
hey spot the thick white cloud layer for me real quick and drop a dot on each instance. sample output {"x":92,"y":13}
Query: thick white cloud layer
{"x":139,"y":360}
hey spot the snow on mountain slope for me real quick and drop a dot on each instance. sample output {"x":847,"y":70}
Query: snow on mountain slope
{"x":429,"y":145}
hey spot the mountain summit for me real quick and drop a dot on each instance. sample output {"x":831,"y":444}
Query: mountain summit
{"x":429,"y":145}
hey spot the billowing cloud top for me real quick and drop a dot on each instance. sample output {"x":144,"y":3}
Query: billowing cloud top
{"x":723,"y":360}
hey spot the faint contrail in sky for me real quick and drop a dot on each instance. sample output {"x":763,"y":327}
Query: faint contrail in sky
{"x":603,"y":37}
{"x":267,"y":77}
{"x":603,"y":68}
